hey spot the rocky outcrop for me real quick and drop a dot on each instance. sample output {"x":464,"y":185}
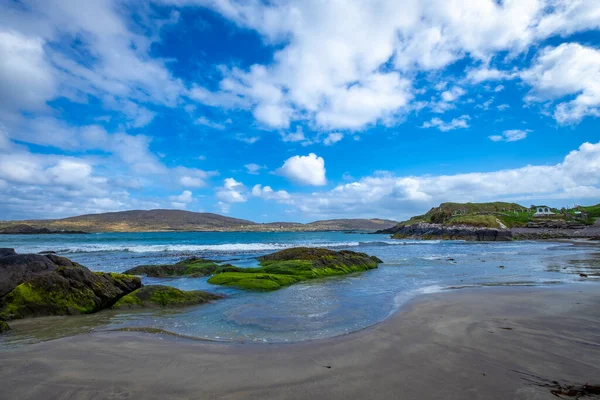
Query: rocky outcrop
{"x":33,"y":285}
{"x":191,"y":267}
{"x":164,"y":296}
{"x":290,"y":266}
{"x":24,"y":229}
{"x":426,"y":231}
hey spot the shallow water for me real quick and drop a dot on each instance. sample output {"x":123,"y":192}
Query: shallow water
{"x":310,"y":310}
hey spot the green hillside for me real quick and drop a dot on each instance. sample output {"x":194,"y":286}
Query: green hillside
{"x":495,"y":214}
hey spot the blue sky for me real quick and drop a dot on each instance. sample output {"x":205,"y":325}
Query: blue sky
{"x":296,"y":110}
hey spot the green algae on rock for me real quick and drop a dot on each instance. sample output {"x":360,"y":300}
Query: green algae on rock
{"x":192,"y":267}
{"x":4,"y":327}
{"x":33,"y":285}
{"x":290,"y":266}
{"x":163,"y":296}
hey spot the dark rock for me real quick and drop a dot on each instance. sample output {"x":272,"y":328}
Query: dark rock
{"x":164,"y":296}
{"x":427,"y":231}
{"x":4,"y":327}
{"x":24,"y":229}
{"x":33,"y":285}
{"x":192,"y":267}
{"x":7,"y":252}
{"x":583,"y":275}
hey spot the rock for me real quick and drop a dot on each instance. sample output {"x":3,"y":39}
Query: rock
{"x":7,"y":252}
{"x":294,"y":265}
{"x":163,"y":296}
{"x":24,"y":229}
{"x":191,"y":267}
{"x":427,"y":231}
{"x":33,"y":285}
{"x":4,"y":327}
{"x":583,"y":275}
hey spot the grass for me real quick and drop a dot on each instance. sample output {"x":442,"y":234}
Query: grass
{"x":483,"y":221}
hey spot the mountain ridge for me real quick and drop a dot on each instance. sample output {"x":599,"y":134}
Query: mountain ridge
{"x":167,"y":220}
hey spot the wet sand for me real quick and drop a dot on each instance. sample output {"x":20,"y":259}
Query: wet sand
{"x":493,"y":343}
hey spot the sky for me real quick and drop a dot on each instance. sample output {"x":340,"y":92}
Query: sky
{"x":296,"y":110}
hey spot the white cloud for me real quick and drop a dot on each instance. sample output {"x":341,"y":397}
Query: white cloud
{"x":452,"y":94}
{"x":567,"y":70}
{"x":247,"y":139}
{"x":42,"y":45}
{"x":26,"y":79}
{"x":333,"y":138}
{"x":456,"y":123}
{"x":296,"y":136}
{"x":232,"y":191}
{"x":306,"y":170}
{"x":503,"y":107}
{"x":576,"y":177}
{"x":253,"y":169}
{"x":269,"y":194}
{"x":484,"y":73}
{"x":211,"y":124}
{"x":511,"y":135}
{"x":329,"y":67}
{"x":181,"y":201}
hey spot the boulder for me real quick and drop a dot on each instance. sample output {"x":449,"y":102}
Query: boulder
{"x":7,"y":252}
{"x":33,"y":285}
{"x":164,"y":296}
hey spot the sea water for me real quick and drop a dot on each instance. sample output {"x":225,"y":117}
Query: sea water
{"x":309,"y":310}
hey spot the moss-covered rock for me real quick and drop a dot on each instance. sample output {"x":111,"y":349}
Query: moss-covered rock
{"x":33,"y":285}
{"x":192,"y":267}
{"x":163,"y":296}
{"x":294,"y":265}
{"x":4,"y":327}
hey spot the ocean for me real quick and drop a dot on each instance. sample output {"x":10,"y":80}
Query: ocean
{"x":310,"y":310}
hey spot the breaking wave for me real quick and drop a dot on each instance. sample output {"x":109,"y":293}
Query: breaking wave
{"x":226,"y":247}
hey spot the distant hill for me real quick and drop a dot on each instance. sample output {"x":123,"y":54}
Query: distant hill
{"x":491,"y":215}
{"x":180,"y":220}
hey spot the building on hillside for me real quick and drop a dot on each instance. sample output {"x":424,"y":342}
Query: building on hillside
{"x":542,"y":211}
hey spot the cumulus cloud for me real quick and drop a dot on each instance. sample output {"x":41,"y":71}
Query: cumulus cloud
{"x":181,"y":201}
{"x":565,"y":71}
{"x":347,"y":65}
{"x":576,"y":177}
{"x":268,"y":193}
{"x":333,"y":138}
{"x":511,"y":135}
{"x":232,"y":191}
{"x":455,"y":123}
{"x":305,"y":170}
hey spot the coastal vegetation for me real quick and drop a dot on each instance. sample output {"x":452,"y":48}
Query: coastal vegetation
{"x":294,"y":265}
{"x":163,"y":296}
{"x":499,"y":215}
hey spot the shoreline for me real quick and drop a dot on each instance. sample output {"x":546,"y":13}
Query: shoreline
{"x":454,"y":344}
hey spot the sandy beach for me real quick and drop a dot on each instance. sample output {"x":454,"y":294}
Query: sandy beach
{"x":493,"y":343}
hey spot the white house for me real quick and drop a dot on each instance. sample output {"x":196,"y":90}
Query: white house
{"x":541,"y":211}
